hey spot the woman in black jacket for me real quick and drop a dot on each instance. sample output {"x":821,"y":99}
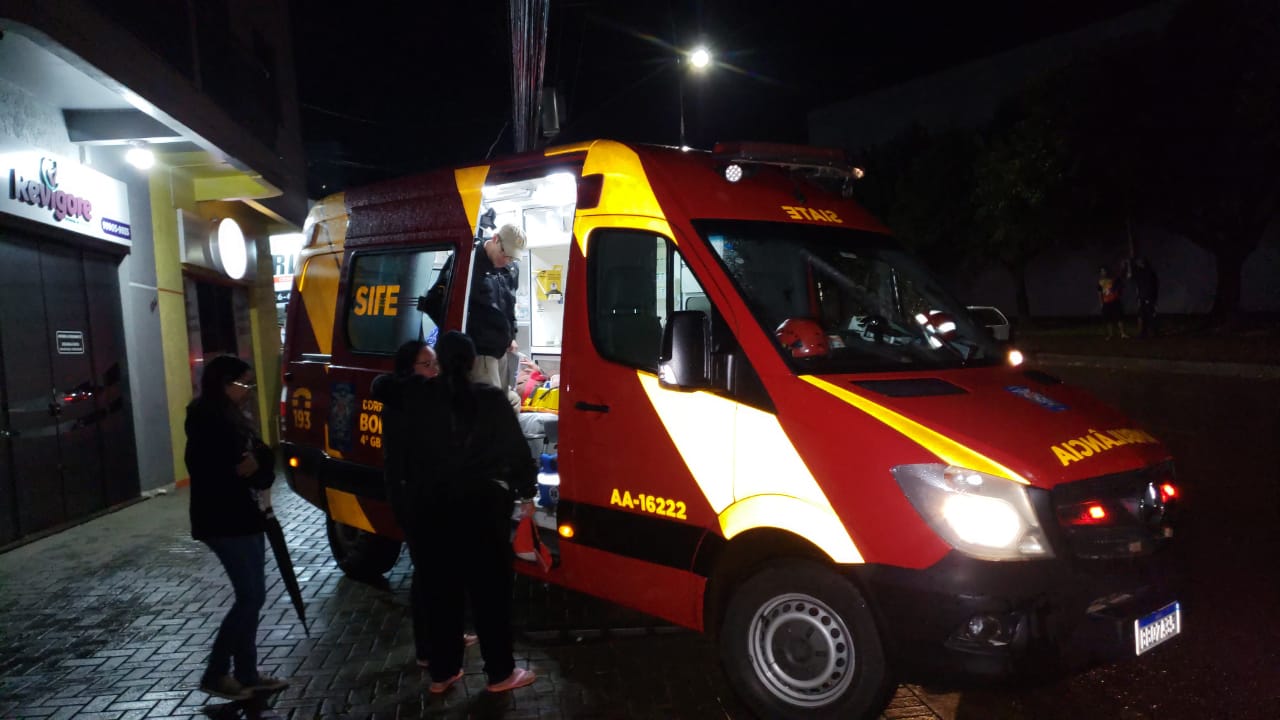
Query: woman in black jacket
{"x":474,"y":442}
{"x":228,"y":465}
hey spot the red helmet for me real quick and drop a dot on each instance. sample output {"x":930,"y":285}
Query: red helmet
{"x":804,"y":337}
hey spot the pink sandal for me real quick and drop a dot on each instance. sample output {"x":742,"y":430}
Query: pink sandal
{"x":438,"y":688}
{"x":518,"y":679}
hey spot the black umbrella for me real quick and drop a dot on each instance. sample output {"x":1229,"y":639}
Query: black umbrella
{"x":275,"y":534}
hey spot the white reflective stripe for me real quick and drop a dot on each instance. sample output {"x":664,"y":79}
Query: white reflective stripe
{"x":737,"y":452}
{"x":701,"y":426}
{"x":767,"y":462}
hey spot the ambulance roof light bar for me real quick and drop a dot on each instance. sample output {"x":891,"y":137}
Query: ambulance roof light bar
{"x":831,"y":162}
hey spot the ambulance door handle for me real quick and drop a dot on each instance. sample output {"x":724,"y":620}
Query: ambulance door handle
{"x":590,"y":407}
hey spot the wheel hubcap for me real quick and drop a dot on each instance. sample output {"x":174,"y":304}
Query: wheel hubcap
{"x":801,"y":649}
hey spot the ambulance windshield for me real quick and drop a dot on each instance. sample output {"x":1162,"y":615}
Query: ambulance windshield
{"x":839,"y":300}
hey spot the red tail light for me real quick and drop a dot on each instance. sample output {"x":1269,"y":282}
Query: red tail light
{"x":1167,"y":492}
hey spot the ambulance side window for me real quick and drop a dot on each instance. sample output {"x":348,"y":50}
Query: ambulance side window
{"x":382,"y":296}
{"x":637,"y":278}
{"x":623,"y":299}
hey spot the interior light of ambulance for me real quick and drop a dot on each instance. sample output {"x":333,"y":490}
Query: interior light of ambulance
{"x":557,"y":189}
{"x":1167,"y":492}
{"x":980,"y":515}
{"x":566,"y":531}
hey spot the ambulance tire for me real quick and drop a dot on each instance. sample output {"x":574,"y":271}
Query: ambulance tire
{"x":799,"y":641}
{"x":361,"y":555}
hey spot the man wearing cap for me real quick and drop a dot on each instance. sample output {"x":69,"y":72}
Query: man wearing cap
{"x":491,"y":314}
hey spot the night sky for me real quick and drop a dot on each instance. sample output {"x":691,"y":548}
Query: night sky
{"x":398,"y":87}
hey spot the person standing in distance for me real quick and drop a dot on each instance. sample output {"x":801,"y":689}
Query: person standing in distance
{"x":228,"y":464}
{"x":1148,"y":285}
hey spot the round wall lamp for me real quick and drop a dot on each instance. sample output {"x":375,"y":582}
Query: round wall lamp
{"x":229,"y":248}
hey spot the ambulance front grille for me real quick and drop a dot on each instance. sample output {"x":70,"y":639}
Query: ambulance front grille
{"x":1135,"y":519}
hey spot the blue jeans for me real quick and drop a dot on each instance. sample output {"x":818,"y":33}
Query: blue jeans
{"x":244,"y":557}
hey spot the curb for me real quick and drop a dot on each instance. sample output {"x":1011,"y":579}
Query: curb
{"x":1188,"y":367}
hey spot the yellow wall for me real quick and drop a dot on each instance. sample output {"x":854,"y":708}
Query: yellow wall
{"x":266,"y":343}
{"x":172,"y":189}
{"x":167,"y":190}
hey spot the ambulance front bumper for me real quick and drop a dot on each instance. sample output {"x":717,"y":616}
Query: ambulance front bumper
{"x":965,"y":619}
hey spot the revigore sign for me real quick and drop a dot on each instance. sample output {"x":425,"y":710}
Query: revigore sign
{"x":55,"y":191}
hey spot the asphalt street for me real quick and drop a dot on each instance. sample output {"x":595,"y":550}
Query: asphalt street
{"x":113,"y":618}
{"x":1222,"y":432}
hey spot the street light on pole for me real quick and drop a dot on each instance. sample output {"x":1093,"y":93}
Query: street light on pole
{"x":699,"y":59}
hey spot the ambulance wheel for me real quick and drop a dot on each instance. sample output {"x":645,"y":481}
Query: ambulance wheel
{"x":799,"y":641}
{"x":361,"y":554}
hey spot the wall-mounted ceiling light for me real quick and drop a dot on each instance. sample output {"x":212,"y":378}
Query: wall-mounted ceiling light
{"x":140,"y":156}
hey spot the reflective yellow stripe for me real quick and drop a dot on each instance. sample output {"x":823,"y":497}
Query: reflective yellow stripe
{"x":470,"y":184}
{"x":584,"y":226}
{"x":818,"y":525}
{"x":747,"y":468}
{"x":345,"y":508}
{"x":948,"y":450}
{"x":568,"y":149}
{"x":321,"y":273}
{"x":626,"y":191}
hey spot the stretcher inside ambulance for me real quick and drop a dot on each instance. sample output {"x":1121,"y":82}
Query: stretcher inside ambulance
{"x":773,"y":424}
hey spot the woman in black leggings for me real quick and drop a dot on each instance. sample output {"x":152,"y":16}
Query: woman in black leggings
{"x":228,"y":465}
{"x":480,"y":463}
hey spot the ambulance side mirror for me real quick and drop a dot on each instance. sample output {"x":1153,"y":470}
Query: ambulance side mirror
{"x":685,"y":362}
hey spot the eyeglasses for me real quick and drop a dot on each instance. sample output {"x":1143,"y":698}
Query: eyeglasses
{"x":246,"y":386}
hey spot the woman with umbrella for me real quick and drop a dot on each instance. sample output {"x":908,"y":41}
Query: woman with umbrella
{"x":228,"y":464}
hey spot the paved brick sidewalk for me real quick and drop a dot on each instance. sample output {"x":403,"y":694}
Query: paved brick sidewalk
{"x":113,"y":619}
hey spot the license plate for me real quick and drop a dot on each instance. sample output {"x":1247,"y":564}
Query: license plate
{"x":1154,"y":628}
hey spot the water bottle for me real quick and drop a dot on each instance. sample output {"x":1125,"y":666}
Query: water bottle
{"x":548,"y":481}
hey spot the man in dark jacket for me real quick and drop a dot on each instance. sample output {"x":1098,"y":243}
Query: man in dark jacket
{"x":491,"y":313}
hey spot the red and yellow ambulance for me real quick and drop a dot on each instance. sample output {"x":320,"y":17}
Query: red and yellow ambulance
{"x":774,"y":424}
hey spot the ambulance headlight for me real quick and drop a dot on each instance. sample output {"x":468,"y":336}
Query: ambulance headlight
{"x":983,"y":516}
